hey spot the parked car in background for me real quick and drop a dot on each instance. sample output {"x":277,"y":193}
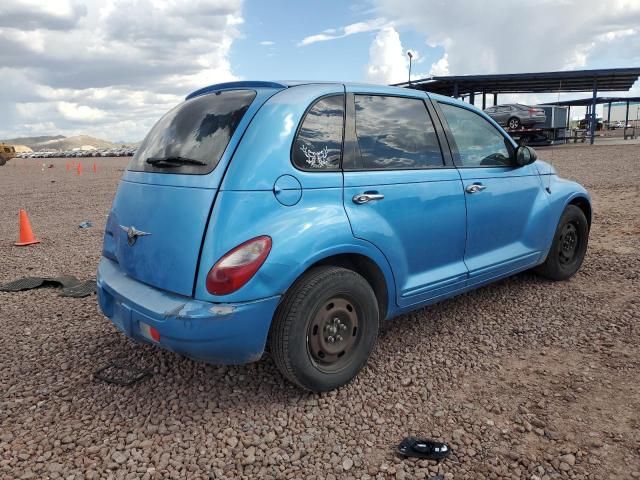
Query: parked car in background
{"x":304,"y":215}
{"x":618,"y":124}
{"x":516,"y":115}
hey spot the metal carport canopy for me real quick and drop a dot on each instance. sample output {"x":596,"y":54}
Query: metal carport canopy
{"x":611,"y":79}
{"x":583,"y":102}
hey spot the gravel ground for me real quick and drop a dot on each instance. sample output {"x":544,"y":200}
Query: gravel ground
{"x":525,"y":378}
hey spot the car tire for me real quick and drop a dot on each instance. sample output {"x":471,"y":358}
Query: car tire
{"x":325,"y":328}
{"x":514,"y":123}
{"x":569,"y":246}
{"x":2,"y":161}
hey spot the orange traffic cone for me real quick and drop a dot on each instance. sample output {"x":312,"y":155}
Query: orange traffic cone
{"x":95,"y":168}
{"x":26,"y":234}
{"x":79,"y":169}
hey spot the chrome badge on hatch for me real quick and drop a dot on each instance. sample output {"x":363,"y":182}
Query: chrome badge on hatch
{"x":133,"y":234}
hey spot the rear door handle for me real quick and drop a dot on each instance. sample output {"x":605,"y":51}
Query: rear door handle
{"x":366,"y":197}
{"x":475,"y":187}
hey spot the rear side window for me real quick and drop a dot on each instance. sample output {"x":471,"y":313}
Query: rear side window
{"x":192,"y":137}
{"x":395,"y":133}
{"x":318,"y":144}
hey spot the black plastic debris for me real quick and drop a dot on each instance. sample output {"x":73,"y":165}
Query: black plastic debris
{"x":117,"y":373}
{"x":29,"y":283}
{"x":423,"y":448}
{"x":71,"y":286}
{"x":67,"y":281}
{"x":83,"y":289}
{"x":26,"y":283}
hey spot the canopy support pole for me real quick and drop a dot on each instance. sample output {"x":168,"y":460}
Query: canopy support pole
{"x":594,"y":120}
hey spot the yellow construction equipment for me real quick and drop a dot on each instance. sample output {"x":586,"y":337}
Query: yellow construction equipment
{"x":7,"y":152}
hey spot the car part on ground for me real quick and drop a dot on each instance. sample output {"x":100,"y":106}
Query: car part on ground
{"x":71,"y":286}
{"x":119,"y":373}
{"x":423,"y":448}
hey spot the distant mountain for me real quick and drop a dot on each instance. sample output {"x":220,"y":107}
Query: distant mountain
{"x":29,"y":141}
{"x":60,"y":142}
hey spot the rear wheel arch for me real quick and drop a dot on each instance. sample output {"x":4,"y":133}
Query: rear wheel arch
{"x":364,"y":266}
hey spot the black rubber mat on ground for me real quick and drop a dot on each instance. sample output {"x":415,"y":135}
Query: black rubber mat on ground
{"x":120,"y":374}
{"x":67,"y":282}
{"x":83,"y":289}
{"x":26,"y":283}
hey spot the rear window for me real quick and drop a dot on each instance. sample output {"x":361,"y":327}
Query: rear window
{"x":191,"y":138}
{"x":318,"y":144}
{"x":395,"y":133}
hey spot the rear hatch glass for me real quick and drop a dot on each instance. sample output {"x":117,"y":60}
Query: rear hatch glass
{"x":155,"y":231}
{"x":191,"y":138}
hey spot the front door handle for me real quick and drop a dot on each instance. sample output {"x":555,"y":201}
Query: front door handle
{"x":475,"y":187}
{"x":366,"y":197}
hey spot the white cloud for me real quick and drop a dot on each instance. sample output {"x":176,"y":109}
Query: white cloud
{"x":495,"y":36}
{"x":267,"y":43}
{"x":83,"y":113}
{"x":441,"y":67}
{"x":388,"y":62}
{"x":352,"y":29}
{"x":108,"y":68}
{"x":34,"y":14}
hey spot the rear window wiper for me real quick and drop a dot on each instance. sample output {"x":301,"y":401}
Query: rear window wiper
{"x":174,"y":161}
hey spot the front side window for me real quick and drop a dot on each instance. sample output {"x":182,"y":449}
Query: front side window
{"x":192,"y":137}
{"x":395,"y":133}
{"x":478,"y":142}
{"x":318,"y":144}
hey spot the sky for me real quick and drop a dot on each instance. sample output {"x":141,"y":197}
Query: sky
{"x":111,"y":68}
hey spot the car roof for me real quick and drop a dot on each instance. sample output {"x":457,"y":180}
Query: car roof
{"x":282,"y":84}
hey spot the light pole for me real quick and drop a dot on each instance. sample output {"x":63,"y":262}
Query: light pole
{"x":410,"y":58}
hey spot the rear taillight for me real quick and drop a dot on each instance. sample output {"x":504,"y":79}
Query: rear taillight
{"x":237,"y":267}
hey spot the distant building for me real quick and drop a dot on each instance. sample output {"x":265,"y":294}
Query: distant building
{"x":618,"y":111}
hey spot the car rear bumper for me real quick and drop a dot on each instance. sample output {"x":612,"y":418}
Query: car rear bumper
{"x":231,"y":333}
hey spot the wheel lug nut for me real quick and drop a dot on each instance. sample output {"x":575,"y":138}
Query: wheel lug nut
{"x":343,"y":327}
{"x":331,"y":339}
{"x":339,"y":338}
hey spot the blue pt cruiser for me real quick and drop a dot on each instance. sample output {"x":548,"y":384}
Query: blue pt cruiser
{"x":302,"y":215}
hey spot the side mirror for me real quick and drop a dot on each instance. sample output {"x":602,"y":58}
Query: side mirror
{"x":525,"y":156}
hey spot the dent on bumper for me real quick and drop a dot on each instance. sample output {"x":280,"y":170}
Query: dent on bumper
{"x":231,"y":333}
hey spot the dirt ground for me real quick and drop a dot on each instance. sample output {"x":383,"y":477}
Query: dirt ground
{"x":525,"y":378}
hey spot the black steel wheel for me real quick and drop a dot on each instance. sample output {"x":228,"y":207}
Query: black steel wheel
{"x":333,"y":334}
{"x":569,"y":245}
{"x":325,"y":328}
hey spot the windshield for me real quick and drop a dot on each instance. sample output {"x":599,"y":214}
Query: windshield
{"x":196,"y":131}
